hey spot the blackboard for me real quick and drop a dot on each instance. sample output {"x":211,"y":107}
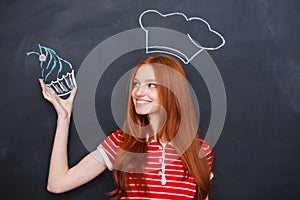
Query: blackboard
{"x":256,"y":156}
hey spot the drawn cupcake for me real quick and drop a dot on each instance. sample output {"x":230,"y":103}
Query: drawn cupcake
{"x":57,"y":73}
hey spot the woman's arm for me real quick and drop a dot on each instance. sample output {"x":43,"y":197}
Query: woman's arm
{"x":61,"y":178}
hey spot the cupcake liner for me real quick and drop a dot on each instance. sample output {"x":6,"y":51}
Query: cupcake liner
{"x":63,"y":86}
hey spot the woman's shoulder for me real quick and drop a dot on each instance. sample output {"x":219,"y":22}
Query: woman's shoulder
{"x":117,"y":134}
{"x":114,"y":138}
{"x":204,"y":145}
{"x":206,"y":151}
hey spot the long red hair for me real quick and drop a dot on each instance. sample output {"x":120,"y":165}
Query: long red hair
{"x":179,"y":127}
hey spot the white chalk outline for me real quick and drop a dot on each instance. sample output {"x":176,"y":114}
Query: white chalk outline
{"x":68,"y":77}
{"x":179,"y":53}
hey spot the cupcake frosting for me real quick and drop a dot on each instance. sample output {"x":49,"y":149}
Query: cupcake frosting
{"x":51,"y":64}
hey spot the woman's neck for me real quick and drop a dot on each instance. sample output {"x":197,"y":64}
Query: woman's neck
{"x":156,"y":124}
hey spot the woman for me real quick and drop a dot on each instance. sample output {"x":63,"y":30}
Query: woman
{"x":157,"y":154}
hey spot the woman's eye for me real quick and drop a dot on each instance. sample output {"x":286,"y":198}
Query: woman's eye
{"x":135,"y":84}
{"x":152,"y":85}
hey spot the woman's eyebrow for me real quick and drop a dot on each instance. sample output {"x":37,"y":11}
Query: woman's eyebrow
{"x":147,"y":80}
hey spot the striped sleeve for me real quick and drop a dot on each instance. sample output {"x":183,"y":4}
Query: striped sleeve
{"x":109,"y":148}
{"x":206,"y":150}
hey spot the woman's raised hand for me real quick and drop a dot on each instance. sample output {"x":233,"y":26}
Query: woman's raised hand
{"x":63,"y":107}
{"x":61,"y":178}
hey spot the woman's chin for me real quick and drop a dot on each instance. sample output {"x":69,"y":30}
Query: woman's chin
{"x":141,"y":112}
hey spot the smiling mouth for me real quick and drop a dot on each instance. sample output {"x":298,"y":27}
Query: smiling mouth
{"x":142,"y":102}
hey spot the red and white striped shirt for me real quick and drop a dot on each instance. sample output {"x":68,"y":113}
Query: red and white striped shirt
{"x":163,"y":171}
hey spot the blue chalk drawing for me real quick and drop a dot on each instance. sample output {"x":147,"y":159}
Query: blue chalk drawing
{"x":45,"y":53}
{"x":50,"y":62}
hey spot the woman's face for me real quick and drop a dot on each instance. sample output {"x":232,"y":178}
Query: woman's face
{"x":144,"y":92}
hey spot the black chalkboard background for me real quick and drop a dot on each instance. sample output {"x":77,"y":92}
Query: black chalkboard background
{"x":257,"y":155}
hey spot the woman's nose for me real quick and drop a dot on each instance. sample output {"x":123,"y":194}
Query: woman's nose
{"x":141,"y":90}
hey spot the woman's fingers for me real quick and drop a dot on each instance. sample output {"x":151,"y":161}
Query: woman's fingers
{"x":41,"y":83}
{"x":73,"y":93}
{"x":43,"y":86}
{"x":47,"y":93}
{"x":51,"y":96}
{"x":62,"y":106}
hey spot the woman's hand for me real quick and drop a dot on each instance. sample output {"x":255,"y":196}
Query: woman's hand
{"x":63,"y":107}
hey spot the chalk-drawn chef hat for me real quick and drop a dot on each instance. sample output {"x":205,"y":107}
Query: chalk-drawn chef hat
{"x":162,"y":40}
